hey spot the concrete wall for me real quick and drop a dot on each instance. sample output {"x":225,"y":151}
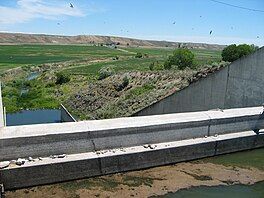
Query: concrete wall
{"x":85,"y":165}
{"x":65,"y":115}
{"x":238,"y":85}
{"x":2,"y":122}
{"x":53,"y":139}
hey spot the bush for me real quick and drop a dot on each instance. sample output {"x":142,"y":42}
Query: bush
{"x":234,"y":52}
{"x":62,"y":78}
{"x":123,"y":85}
{"x":105,"y":72}
{"x":181,"y":58}
{"x":151,"y":66}
{"x":156,"y":66}
{"x":139,"y":55}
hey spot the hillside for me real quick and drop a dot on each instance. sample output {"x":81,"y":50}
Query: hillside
{"x":18,"y":38}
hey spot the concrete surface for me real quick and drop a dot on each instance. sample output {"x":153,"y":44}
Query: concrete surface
{"x":238,"y":85}
{"x":65,"y":115}
{"x":2,"y":122}
{"x":71,"y":138}
{"x":90,"y":164}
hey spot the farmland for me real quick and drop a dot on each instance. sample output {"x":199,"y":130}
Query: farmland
{"x":85,"y":95}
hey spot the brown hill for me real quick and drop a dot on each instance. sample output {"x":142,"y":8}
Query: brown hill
{"x":18,"y":38}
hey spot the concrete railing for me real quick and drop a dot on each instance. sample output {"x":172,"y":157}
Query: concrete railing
{"x":70,"y":138}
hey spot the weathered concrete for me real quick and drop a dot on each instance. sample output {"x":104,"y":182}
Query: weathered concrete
{"x":71,"y":138}
{"x":65,"y":115}
{"x":90,"y":164}
{"x":2,"y":122}
{"x":238,"y":85}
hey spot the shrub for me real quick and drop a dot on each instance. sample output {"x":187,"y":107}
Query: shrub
{"x":105,"y":72}
{"x":123,"y":85}
{"x":139,"y":55}
{"x":181,"y":58}
{"x":234,"y":52}
{"x":151,"y":66}
{"x":62,"y":78}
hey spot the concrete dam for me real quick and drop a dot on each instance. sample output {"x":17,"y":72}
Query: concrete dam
{"x":50,"y":153}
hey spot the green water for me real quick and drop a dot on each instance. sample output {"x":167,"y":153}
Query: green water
{"x":239,"y":191}
{"x":246,"y":159}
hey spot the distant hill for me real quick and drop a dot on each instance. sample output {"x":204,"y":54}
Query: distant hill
{"x":18,"y":38}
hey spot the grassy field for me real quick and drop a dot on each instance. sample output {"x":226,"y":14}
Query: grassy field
{"x":83,"y":68}
{"x":12,"y":56}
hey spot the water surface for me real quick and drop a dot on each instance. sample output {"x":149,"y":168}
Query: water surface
{"x":33,"y":117}
{"x":235,"y":191}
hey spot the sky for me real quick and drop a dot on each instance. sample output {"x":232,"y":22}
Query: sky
{"x":171,"y":20}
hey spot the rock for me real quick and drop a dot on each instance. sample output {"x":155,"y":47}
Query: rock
{"x":62,"y":156}
{"x":4,"y":164}
{"x":53,"y":156}
{"x":152,"y":146}
{"x":30,"y":159}
{"x":146,"y":146}
{"x":20,"y":162}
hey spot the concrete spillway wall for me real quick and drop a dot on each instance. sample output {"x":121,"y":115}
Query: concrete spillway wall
{"x":238,"y":85}
{"x":108,"y":146}
{"x":2,"y":122}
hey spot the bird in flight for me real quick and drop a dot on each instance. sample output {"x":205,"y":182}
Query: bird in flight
{"x":211,"y":32}
{"x":71,"y":5}
{"x":174,"y":23}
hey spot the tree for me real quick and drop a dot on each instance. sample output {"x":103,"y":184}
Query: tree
{"x":181,"y":58}
{"x":139,"y":55}
{"x":234,"y":52}
{"x":62,"y":78}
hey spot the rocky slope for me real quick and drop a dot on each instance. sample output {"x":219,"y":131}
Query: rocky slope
{"x":18,"y":38}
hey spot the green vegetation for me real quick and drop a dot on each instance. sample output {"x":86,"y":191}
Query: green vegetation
{"x":64,"y":70}
{"x":181,"y":59}
{"x":18,"y":55}
{"x":139,"y":55}
{"x":62,"y":78}
{"x":105,"y":72}
{"x":234,"y":52}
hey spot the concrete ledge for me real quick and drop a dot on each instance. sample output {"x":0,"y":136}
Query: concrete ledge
{"x":71,"y":138}
{"x":90,"y":164}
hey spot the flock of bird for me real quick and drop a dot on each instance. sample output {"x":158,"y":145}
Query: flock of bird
{"x":174,"y":23}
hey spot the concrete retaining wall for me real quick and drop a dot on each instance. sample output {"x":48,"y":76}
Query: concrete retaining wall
{"x":70,"y":138}
{"x":238,"y":85}
{"x":65,"y":115}
{"x":2,"y":122}
{"x":84,"y":165}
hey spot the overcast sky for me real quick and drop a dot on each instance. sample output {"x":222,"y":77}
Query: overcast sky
{"x":173,"y":20}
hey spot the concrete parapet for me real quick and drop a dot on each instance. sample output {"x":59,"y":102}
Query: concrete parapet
{"x":88,"y":136}
{"x":77,"y":166}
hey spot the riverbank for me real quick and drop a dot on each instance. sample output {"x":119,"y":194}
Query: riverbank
{"x":223,"y":170}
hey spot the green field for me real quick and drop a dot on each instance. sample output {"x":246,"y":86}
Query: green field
{"x":12,"y":56}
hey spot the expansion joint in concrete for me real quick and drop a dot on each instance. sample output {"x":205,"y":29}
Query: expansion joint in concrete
{"x":94,"y":148}
{"x":209,"y":125}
